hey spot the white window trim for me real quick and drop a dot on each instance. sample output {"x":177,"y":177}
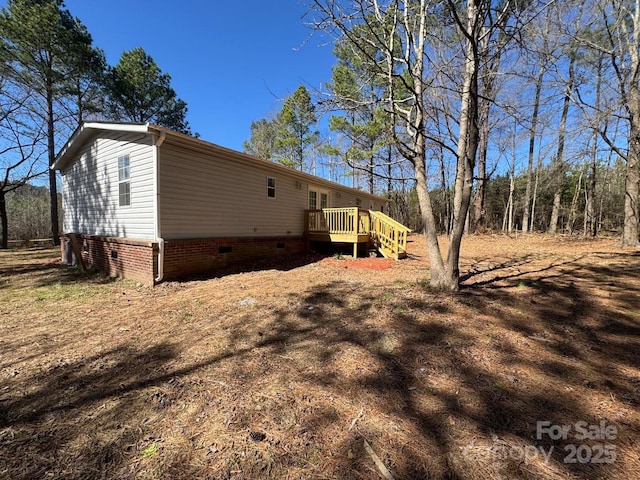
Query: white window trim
{"x":319,"y":192}
{"x":127,"y":180}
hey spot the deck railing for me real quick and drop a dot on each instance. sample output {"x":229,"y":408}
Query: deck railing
{"x":343,"y":221}
{"x":356,"y":225}
{"x":389,"y":234}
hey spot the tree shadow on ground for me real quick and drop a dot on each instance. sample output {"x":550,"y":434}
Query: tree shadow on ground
{"x":44,"y":415}
{"x":492,"y":408}
{"x":45,"y":269}
{"x":281,"y":263}
{"x":435,"y":404}
{"x":582,"y":318}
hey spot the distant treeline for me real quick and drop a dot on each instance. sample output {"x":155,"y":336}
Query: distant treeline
{"x":504,"y":203}
{"x":28,"y":213}
{"x":28,"y":206}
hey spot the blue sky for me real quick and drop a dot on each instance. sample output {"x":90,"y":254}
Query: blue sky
{"x":232,"y":62}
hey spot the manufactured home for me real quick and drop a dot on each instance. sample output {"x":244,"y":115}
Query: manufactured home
{"x":144,"y":202}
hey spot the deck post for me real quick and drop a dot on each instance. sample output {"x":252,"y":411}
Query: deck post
{"x":355,"y":250}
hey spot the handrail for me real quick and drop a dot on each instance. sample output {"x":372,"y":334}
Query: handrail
{"x":391,"y":234}
{"x":344,"y":220}
{"x":389,"y":220}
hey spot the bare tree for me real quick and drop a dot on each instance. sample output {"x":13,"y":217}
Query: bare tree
{"x":20,"y":147}
{"x":401,"y":34}
{"x":614,"y":30}
{"x":590,"y":222}
{"x":559,"y":161}
{"x":492,"y":43}
{"x":544,"y":55}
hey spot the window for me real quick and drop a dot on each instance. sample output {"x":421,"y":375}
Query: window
{"x":313,"y":200}
{"x":324,"y":200}
{"x":124,"y":181}
{"x":318,"y":199}
{"x":271,"y":187}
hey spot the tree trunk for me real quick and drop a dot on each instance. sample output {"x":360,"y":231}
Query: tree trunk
{"x":4,"y":222}
{"x":559,"y":160}
{"x":632,"y":190}
{"x":483,"y":146}
{"x":632,"y":175}
{"x":555,"y":206}
{"x":505,"y":216}
{"x":512,"y":188}
{"x":80,"y":105}
{"x":605,"y":184}
{"x":446,"y":202}
{"x":53,"y":186}
{"x":371,"y":147}
{"x":467,"y":150}
{"x":526,"y":218}
{"x":535,"y":194}
{"x":574,"y":204}
{"x":436,"y":263}
{"x":370,"y":175}
{"x":507,"y":219}
{"x":389,"y":170}
{"x":488,"y":82}
{"x":590,"y":223}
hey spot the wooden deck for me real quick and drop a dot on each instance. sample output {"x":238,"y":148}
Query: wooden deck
{"x":357,"y":226}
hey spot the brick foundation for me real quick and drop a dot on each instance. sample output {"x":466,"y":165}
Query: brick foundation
{"x":187,"y":257}
{"x":118,"y":257}
{"x":137,"y":259}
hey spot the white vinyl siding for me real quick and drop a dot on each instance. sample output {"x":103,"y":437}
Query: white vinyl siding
{"x":192,"y":189}
{"x":92,"y":188}
{"x":211,"y":193}
{"x":208,"y":194}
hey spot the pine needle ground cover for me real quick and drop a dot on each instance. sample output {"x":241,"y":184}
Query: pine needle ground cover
{"x":328,"y":369}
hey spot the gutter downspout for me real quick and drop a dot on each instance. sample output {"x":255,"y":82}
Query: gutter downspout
{"x":160,"y":276}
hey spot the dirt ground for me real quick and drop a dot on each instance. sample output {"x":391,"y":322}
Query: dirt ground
{"x":328,"y":368}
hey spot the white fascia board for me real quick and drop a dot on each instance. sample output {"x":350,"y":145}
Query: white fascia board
{"x":118,"y":127}
{"x":84,"y":131}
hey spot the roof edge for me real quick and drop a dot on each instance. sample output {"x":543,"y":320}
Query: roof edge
{"x":87,"y":129}
{"x":66,"y":157}
{"x":257,"y":161}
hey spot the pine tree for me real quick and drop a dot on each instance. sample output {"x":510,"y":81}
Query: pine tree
{"x":46,"y":51}
{"x":295,"y":130}
{"x":262,"y":141}
{"x":138,"y":91}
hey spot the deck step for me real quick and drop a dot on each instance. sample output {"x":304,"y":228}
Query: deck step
{"x":389,"y":235}
{"x":389,"y":253}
